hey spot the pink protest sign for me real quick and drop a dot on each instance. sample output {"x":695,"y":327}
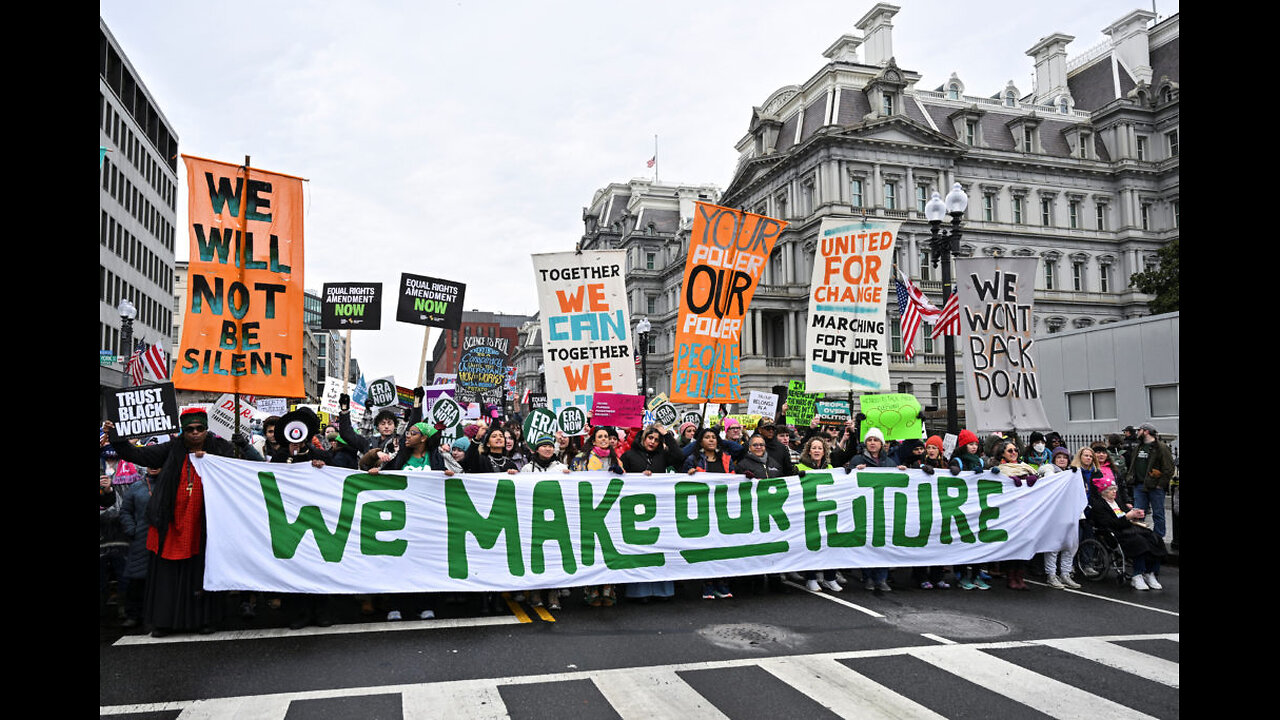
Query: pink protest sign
{"x":617,"y":409}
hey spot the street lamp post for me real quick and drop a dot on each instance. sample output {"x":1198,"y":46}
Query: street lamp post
{"x":642,"y":333}
{"x":127,"y":313}
{"x":942,"y":244}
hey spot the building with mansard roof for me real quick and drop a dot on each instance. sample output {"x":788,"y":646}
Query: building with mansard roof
{"x":1079,"y":171}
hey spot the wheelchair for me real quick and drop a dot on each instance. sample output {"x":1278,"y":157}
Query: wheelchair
{"x":1101,"y":555}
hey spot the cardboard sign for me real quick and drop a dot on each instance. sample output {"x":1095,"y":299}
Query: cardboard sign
{"x":222,"y":416}
{"x":761,"y":403}
{"x":143,"y":410}
{"x":897,"y":415}
{"x":276,"y":406}
{"x":832,"y":412}
{"x":728,"y":249}
{"x":430,"y":301}
{"x":539,"y":423}
{"x":537,"y":400}
{"x":1002,"y":387}
{"x":846,"y":342}
{"x":382,"y":393}
{"x":242,"y":314}
{"x":351,"y":306}
{"x":572,"y":420}
{"x":800,"y":404}
{"x":586,"y":325}
{"x":482,"y":370}
{"x":617,"y":409}
{"x":329,"y":401}
{"x":749,"y":420}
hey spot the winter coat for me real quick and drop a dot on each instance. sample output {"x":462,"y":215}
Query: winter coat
{"x":763,"y":467}
{"x":1160,"y":461}
{"x":667,"y":455}
{"x":170,"y":457}
{"x":698,"y":461}
{"x":133,"y":518}
{"x":863,"y":458}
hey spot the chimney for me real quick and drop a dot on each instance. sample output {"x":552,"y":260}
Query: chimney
{"x":1129,"y":43}
{"x":1050,"y":55}
{"x":877,"y":33}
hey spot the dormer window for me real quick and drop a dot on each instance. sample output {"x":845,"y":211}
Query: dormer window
{"x":1028,"y":139}
{"x":971,"y":132}
{"x":887,"y":105}
{"x":1063,"y":107}
{"x":1010,"y":99}
{"x":953,"y":91}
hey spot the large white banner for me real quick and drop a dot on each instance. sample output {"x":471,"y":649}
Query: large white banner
{"x":846,"y":343}
{"x":1002,"y":387}
{"x":295,"y":528}
{"x":586,"y":325}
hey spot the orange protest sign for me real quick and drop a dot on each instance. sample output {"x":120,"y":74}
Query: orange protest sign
{"x":242,"y":327}
{"x":728,"y":249}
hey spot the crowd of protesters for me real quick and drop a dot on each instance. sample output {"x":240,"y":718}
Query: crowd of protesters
{"x":152,"y":516}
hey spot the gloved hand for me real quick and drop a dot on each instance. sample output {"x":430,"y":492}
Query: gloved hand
{"x":239,"y":440}
{"x":800,"y":473}
{"x":954,"y":467}
{"x":418,"y":395}
{"x":859,"y":417}
{"x":748,"y":475}
{"x":344,"y":402}
{"x":927,"y":469}
{"x":617,"y":470}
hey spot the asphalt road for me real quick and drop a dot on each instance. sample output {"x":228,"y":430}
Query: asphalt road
{"x":1102,"y":651}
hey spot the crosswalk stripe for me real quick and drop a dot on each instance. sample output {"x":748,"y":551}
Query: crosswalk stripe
{"x":1148,"y":667}
{"x":1039,"y":692}
{"x":466,"y":700}
{"x":650,"y":693}
{"x":653,"y":691}
{"x":845,"y":692}
{"x":248,"y":708}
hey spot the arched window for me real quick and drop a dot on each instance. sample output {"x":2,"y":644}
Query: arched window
{"x":1010,"y":99}
{"x":953,"y":91}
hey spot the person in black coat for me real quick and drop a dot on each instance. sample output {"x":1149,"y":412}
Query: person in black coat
{"x":175,"y":597}
{"x":133,"y":518}
{"x":657,"y":451}
{"x":1138,"y":542}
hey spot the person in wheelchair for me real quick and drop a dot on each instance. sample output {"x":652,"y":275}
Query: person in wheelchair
{"x":1138,"y":542}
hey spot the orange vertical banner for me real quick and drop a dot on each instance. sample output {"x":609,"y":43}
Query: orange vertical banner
{"x":728,"y":249}
{"x":242,"y":327}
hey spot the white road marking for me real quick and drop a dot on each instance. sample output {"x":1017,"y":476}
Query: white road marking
{"x":478,"y":699}
{"x":845,"y":692}
{"x":648,"y":693}
{"x":1138,"y":663}
{"x":1114,"y":600}
{"x":1039,"y":692}
{"x":963,"y":660}
{"x":834,"y":599}
{"x":937,"y":638}
{"x":269,"y":633}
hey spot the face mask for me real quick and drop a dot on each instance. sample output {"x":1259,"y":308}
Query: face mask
{"x":1038,"y":447}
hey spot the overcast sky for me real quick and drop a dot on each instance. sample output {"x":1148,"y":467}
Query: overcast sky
{"x":455,"y":138}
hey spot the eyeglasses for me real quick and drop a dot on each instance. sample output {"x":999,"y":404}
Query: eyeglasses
{"x":195,"y":428}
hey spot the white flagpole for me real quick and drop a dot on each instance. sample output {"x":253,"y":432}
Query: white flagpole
{"x":655,"y":159}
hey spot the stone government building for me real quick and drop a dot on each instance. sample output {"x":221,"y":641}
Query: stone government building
{"x":1080,"y":171}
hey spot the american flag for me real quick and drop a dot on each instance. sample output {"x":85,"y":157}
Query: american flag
{"x":652,"y":160}
{"x":913,"y":307}
{"x":948,"y":322}
{"x":154,"y":361}
{"x":134,"y":366}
